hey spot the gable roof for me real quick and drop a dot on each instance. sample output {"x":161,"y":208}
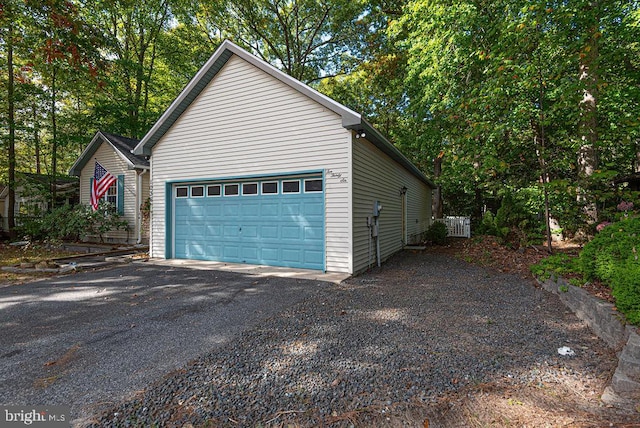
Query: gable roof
{"x":123,"y":147}
{"x":350,"y":119}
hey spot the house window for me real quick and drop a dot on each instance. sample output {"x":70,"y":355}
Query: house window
{"x":111,"y":196}
{"x":291,"y":186}
{"x":269,"y":187}
{"x":314,"y":185}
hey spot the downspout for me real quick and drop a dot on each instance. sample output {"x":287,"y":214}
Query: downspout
{"x":139,"y":205}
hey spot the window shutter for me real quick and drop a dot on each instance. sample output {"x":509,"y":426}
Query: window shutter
{"x":90,"y":191}
{"x":121,"y":194}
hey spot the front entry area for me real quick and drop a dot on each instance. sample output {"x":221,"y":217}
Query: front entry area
{"x":270,"y":221}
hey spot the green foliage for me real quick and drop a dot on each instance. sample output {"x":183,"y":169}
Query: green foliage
{"x":612,"y":256}
{"x":616,"y":243}
{"x":561,"y":264}
{"x":437,"y":233}
{"x":516,"y":221}
{"x":490,"y":226}
{"x":70,"y":223}
{"x":495,"y":86}
{"x":626,"y":289}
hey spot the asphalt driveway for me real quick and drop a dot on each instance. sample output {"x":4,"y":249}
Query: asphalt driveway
{"x":91,"y":339}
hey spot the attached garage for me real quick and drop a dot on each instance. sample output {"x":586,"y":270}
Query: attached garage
{"x":249,"y":165}
{"x":276,"y":221}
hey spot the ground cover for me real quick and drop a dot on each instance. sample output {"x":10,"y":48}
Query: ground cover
{"x":11,"y":255}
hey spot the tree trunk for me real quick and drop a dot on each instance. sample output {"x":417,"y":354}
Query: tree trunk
{"x":539,"y":142}
{"x":36,"y":137}
{"x":588,"y":75}
{"x":12,"y":128}
{"x":436,"y":207}
{"x":54,"y":137}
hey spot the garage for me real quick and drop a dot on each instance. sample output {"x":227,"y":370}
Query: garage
{"x":249,"y":165}
{"x":271,"y":221}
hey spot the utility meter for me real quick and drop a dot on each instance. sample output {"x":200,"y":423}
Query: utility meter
{"x":377,"y":207}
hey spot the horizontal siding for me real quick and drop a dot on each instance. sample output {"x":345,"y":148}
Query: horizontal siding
{"x":113,"y":163}
{"x":378,"y":177}
{"x":247,"y":123}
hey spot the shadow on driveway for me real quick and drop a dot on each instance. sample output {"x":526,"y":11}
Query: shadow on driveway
{"x":94,"y":338}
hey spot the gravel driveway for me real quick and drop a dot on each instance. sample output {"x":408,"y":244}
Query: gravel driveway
{"x":91,"y":339}
{"x":382,"y":348}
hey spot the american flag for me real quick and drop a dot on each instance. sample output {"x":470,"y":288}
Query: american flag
{"x":102,"y":180}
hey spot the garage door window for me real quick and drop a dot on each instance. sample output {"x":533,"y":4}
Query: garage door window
{"x":182,"y":192}
{"x":269,"y":187}
{"x":291,"y":186}
{"x":197,"y":191}
{"x":214,"y":190}
{"x":231,"y":189}
{"x":312,"y":186}
{"x":249,"y":189}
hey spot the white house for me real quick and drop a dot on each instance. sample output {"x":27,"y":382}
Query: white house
{"x":249,"y":165}
{"x":131,"y":190}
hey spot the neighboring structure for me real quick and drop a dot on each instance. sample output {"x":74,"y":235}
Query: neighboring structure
{"x":129,"y":194}
{"x":32,"y":196}
{"x":249,"y":165}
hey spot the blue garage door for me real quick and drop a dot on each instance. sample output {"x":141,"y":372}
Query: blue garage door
{"x":271,"y":222}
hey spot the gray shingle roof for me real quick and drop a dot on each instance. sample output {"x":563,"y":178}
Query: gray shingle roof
{"x":123,"y":145}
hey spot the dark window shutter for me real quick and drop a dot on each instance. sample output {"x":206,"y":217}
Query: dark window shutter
{"x":121,"y":194}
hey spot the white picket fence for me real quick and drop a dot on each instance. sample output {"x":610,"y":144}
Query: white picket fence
{"x":457,"y":227}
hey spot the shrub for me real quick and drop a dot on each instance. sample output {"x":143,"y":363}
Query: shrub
{"x":437,"y":233}
{"x":626,"y":290}
{"x":612,"y":256}
{"x":490,"y":226}
{"x":70,"y":223}
{"x":516,"y":223}
{"x":614,"y":244}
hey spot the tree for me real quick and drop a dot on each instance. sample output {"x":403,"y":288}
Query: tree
{"x":8,"y":16}
{"x":133,"y":28}
{"x":305,"y":38}
{"x":65,"y":53}
{"x":480,"y":74}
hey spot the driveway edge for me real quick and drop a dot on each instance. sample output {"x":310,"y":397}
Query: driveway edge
{"x":623,"y":390}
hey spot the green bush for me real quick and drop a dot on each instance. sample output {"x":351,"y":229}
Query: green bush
{"x":626,"y":290}
{"x":516,"y":222}
{"x":490,"y":226}
{"x":612,"y":256}
{"x":437,"y":233}
{"x":613,"y":245}
{"x":70,"y":223}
